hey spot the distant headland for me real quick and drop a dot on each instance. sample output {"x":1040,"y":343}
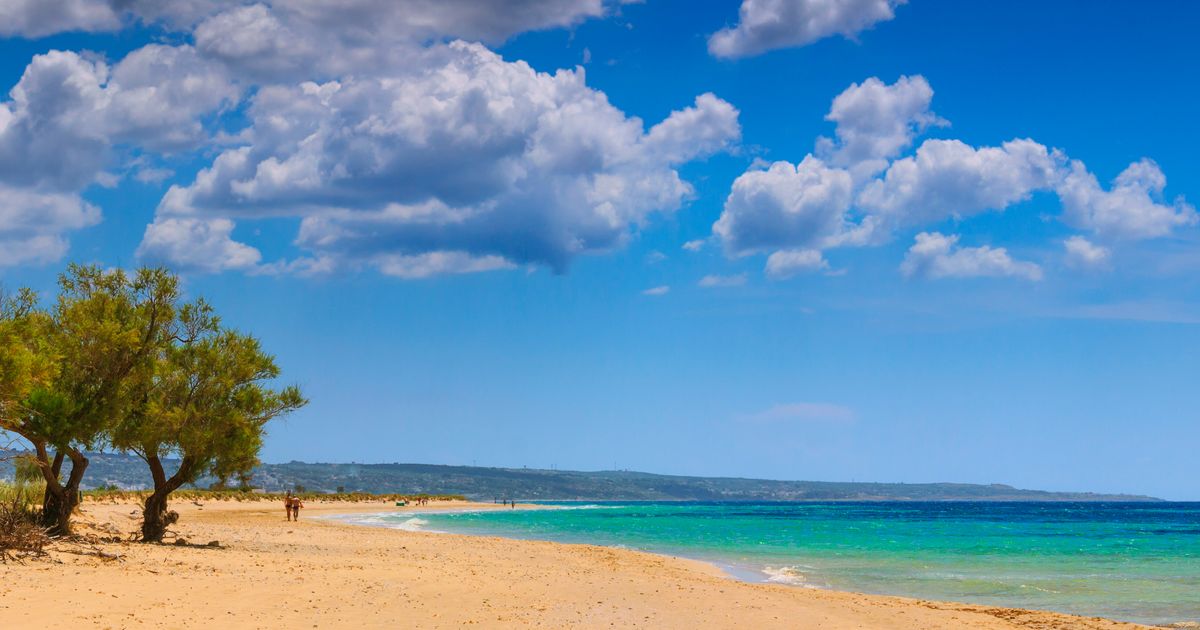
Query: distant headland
{"x":530,"y":484}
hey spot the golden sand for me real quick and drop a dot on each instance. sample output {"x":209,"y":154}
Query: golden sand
{"x":269,"y":573}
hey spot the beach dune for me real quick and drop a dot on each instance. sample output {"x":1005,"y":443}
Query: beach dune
{"x":321,"y":573}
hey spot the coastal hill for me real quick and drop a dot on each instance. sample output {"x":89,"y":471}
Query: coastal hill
{"x":486,"y":484}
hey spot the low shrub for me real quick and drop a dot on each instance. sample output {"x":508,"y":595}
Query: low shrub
{"x":19,"y":530}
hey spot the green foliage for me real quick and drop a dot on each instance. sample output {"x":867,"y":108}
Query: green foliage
{"x":206,"y":399}
{"x":103,"y":331}
{"x":24,"y":359}
{"x":26,"y":470}
{"x":119,"y":361}
{"x":66,"y":377}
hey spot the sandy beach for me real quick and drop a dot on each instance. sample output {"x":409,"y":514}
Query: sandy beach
{"x":320,"y":573}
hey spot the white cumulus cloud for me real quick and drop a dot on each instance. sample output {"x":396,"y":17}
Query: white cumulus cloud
{"x":1085,"y":254}
{"x":936,"y":255}
{"x":38,"y":18}
{"x":860,"y":189}
{"x":765,"y":25}
{"x":876,"y":122}
{"x":322,"y":39}
{"x":365,"y":23}
{"x":68,"y":113}
{"x":464,"y":152}
{"x":429,"y":264}
{"x":190,"y":244}
{"x":785,"y":206}
{"x":786,"y":263}
{"x":33,"y":224}
{"x":1131,"y":209}
{"x":948,"y":178}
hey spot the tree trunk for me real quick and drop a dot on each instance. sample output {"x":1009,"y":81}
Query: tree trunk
{"x":61,"y":499}
{"x":49,"y":498}
{"x":155,"y":516}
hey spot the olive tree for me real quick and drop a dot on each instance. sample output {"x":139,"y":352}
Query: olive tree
{"x":206,"y":401}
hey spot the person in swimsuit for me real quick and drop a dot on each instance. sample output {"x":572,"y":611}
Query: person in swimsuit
{"x":296,"y":505}
{"x":287,"y":505}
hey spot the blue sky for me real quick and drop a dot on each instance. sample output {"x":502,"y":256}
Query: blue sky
{"x":466,"y":260}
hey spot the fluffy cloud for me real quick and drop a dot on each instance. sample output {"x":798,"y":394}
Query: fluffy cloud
{"x":948,"y":178}
{"x":808,"y":206}
{"x":53,"y":106}
{"x":706,"y":128}
{"x":437,"y":263}
{"x":875,"y":122}
{"x":68,"y":112}
{"x":489,"y":22}
{"x":196,"y":245}
{"x":770,"y":24}
{"x":1131,"y":209}
{"x":432,"y":159}
{"x":37,"y":18}
{"x":297,"y":40}
{"x":150,"y":100}
{"x":370,"y":22}
{"x":465,"y":153}
{"x":655,"y":291}
{"x":1086,"y":254}
{"x":936,"y":255}
{"x":39,"y":249}
{"x":785,"y":206}
{"x":32,"y":224}
{"x":857,"y":191}
{"x":789,"y":262}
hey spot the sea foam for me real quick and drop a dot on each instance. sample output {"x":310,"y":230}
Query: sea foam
{"x":789,"y":575}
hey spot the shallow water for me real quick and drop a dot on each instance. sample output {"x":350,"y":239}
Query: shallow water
{"x":1130,"y":561}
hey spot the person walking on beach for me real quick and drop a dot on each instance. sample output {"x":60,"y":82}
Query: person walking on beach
{"x":296,"y":505}
{"x":287,"y":505}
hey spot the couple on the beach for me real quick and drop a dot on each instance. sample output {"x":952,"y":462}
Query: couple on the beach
{"x":292,"y":504}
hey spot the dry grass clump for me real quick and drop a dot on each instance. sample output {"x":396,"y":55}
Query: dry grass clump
{"x":20,"y":534}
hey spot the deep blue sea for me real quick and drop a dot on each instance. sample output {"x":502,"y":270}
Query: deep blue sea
{"x":1129,"y":561}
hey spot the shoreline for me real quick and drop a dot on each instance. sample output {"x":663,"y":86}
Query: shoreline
{"x":329,"y":573}
{"x":732,"y":571}
{"x":740,"y":572}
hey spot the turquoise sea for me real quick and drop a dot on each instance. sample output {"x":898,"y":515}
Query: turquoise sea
{"x":1129,"y":561}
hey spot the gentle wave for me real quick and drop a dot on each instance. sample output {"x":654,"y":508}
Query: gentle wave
{"x":790,"y":575}
{"x":389,"y":521}
{"x":413,"y":524}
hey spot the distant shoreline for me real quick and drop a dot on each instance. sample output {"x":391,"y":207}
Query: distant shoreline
{"x":485,"y":484}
